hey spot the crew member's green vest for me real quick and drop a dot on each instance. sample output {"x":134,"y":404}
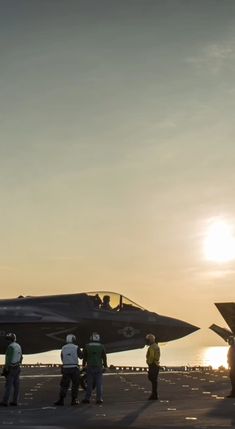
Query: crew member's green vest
{"x":95,"y":354}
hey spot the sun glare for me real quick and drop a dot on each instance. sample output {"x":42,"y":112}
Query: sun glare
{"x":215,"y":356}
{"x":219,"y":245}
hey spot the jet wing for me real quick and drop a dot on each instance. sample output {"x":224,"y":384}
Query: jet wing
{"x":222,"y":332}
{"x":227,"y":310}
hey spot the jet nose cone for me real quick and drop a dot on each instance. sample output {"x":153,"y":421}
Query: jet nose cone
{"x":188,"y":328}
{"x":168,"y":329}
{"x":181,"y":329}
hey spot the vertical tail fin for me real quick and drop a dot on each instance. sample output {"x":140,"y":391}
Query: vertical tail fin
{"x":227,"y":310}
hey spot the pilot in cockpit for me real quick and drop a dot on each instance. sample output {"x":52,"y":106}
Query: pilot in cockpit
{"x":106,"y":303}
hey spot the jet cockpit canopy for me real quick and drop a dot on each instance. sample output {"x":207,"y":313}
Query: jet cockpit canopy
{"x":111,"y":301}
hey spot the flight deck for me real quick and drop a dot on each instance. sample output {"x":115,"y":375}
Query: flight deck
{"x":187,"y":399}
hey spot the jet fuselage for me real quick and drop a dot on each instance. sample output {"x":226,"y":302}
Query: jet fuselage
{"x":42,"y":323}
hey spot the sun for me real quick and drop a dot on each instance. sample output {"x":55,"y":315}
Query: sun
{"x":219,"y":244}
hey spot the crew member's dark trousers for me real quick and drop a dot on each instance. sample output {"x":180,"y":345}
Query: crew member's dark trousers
{"x":69,"y":375}
{"x":12,"y":382}
{"x":232,"y":379}
{"x":94,"y":375}
{"x":153,"y":377}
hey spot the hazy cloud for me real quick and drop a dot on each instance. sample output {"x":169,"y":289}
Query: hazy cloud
{"x":214,"y":57}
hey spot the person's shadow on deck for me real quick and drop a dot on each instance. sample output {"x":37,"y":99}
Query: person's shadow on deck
{"x":130,"y":418}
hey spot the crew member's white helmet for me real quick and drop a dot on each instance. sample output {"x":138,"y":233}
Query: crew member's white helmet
{"x":95,"y":337}
{"x":70,"y":338}
{"x":10,"y":337}
{"x":151,"y":338}
{"x":231,"y":340}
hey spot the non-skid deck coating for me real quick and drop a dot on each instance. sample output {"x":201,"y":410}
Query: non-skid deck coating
{"x":187,"y":400}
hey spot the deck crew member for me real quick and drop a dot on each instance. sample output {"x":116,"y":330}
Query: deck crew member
{"x":70,"y":370}
{"x":153,"y":361}
{"x":95,"y":360}
{"x":231,"y":365}
{"x":11,"y":370}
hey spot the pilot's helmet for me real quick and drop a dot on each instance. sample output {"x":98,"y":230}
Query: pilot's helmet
{"x":70,"y":338}
{"x":231,"y":340}
{"x":106,"y":298}
{"x":95,"y":337}
{"x":150,"y":339}
{"x":10,"y":337}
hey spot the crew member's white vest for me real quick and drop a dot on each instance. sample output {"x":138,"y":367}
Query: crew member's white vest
{"x":69,"y":355}
{"x":17,"y":354}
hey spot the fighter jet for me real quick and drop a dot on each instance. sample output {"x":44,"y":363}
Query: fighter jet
{"x":41,"y":323}
{"x":227,"y":310}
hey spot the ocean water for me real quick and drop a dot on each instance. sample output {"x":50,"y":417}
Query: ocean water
{"x":214,"y":356}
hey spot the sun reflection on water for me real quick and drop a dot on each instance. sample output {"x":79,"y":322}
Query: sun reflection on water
{"x":214,"y":356}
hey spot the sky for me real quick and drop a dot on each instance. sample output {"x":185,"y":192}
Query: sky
{"x":117,"y":152}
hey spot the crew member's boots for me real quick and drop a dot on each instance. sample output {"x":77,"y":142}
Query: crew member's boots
{"x":153,"y":397}
{"x":74,"y":401}
{"x":231,"y":395}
